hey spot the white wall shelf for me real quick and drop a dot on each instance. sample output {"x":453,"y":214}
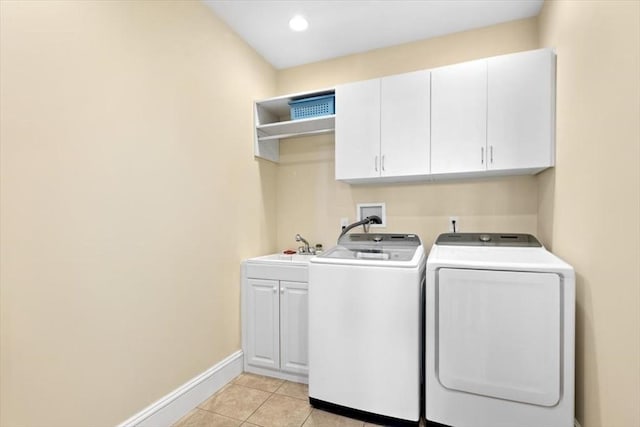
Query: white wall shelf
{"x":295,"y":128}
{"x":272,"y":118}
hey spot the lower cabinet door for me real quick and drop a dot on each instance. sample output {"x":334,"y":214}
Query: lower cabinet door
{"x":263,"y":323}
{"x":294,"y":327}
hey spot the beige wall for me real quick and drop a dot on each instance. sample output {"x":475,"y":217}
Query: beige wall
{"x":123,"y":142}
{"x":495,"y":40}
{"x":586,"y":209}
{"x":126,"y":131}
{"x":311,"y":202}
{"x":590,"y":204}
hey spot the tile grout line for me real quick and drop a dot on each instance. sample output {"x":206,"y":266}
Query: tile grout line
{"x":266,"y":391}
{"x":220,"y":415}
{"x":271,"y":394}
{"x":262,"y":404}
{"x":305,"y":420}
{"x":304,"y":399}
{"x":259,"y":406}
{"x":198,"y":409}
{"x":223,"y":416}
{"x":239,"y":385}
{"x":253,"y":388}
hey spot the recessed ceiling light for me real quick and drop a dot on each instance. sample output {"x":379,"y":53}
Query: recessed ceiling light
{"x":298,"y":23}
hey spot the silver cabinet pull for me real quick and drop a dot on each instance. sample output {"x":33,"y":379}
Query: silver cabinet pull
{"x":482,"y":155}
{"x":383,"y":162}
{"x":282,"y":291}
{"x":275,"y":289}
{"x":491,"y":152}
{"x":375,"y":163}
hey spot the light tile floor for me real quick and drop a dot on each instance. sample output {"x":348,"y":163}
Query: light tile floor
{"x":254,"y":400}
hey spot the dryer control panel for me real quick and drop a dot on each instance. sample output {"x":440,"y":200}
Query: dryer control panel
{"x":488,"y":239}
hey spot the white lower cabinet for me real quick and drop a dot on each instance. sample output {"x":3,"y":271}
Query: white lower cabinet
{"x":275,"y":328}
{"x":294,"y":327}
{"x":263,"y":323}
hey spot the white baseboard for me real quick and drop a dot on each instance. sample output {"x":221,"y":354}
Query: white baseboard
{"x":296,"y":378}
{"x":170,"y":408}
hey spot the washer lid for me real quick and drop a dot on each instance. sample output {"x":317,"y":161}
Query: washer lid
{"x":388,"y":249}
{"x":488,"y":239}
{"x":375,"y":240}
{"x":370,"y":254}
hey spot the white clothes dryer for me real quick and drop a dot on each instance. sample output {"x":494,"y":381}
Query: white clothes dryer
{"x":365,"y":334}
{"x":500,"y":322}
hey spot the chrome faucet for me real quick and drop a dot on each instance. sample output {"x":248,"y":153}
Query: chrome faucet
{"x":304,"y":249}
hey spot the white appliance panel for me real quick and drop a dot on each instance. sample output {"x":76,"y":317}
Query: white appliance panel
{"x":368,"y":321}
{"x":499,"y":334}
{"x":451,"y":406}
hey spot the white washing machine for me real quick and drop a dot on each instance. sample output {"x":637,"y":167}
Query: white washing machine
{"x":500,"y":321}
{"x":365,"y":334}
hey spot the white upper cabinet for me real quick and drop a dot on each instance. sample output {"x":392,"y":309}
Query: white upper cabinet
{"x":521,"y":110}
{"x":404,"y":124}
{"x":358,"y":130}
{"x":494,"y":116}
{"x":382,"y":128}
{"x":488,"y":117}
{"x":459,"y":118}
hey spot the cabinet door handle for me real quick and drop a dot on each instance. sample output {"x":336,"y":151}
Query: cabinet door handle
{"x":491,"y":152}
{"x":375,"y":163}
{"x":275,"y":289}
{"x":482,"y":155}
{"x":383,"y":162}
{"x":282,"y":291}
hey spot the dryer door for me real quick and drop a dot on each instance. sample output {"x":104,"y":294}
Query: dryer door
{"x":499,"y":334}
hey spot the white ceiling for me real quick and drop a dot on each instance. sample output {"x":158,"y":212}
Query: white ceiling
{"x":343,"y":27}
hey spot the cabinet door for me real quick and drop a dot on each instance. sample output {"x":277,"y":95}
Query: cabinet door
{"x":262,"y":323}
{"x":357,"y":131}
{"x":404,"y":126}
{"x":521,"y":113}
{"x":459,"y":118}
{"x":294,"y":327}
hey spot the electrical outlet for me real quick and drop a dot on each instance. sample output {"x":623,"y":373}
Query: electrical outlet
{"x":344,"y":222}
{"x":453,"y":229}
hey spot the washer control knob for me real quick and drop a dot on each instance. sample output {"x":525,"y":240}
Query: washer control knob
{"x":485,"y":238}
{"x":377,"y":239}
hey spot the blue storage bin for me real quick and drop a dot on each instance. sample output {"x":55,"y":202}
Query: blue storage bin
{"x":312,"y":107}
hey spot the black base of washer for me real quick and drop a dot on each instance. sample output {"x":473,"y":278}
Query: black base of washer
{"x":361,"y":415}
